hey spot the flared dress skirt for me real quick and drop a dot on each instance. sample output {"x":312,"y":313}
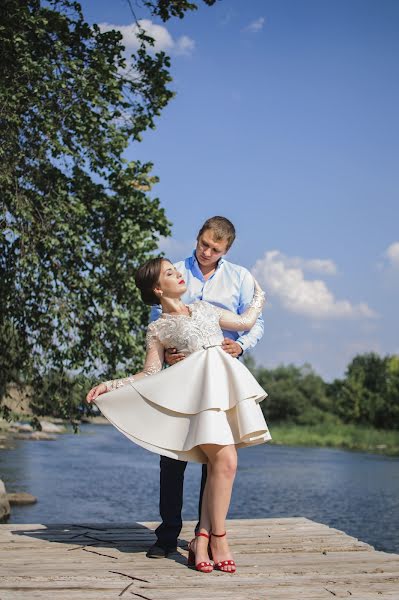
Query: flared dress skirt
{"x":207,"y":398}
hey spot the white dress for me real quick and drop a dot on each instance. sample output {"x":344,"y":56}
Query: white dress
{"x":207,"y":398}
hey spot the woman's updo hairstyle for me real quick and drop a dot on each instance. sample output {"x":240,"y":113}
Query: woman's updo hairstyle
{"x":147,"y":277}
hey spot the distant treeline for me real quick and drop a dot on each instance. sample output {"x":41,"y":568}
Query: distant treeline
{"x":367,"y":395}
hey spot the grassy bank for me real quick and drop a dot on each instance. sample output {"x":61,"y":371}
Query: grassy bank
{"x":350,"y":437}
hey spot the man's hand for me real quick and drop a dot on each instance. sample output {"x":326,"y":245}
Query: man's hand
{"x":172,"y":356}
{"x":232,"y":347}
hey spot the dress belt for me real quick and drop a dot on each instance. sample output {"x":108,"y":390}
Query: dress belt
{"x":210,"y":346}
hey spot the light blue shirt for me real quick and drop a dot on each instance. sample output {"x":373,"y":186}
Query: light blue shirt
{"x":231,"y":286}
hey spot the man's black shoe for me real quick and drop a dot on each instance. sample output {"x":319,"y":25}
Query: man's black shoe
{"x":159,"y":552}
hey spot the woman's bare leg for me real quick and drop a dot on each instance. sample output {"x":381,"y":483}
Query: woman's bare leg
{"x":205,"y":520}
{"x":222,"y":465}
{"x":201,"y":543}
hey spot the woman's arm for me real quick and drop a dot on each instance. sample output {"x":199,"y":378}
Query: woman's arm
{"x":153,"y":363}
{"x":233,"y":322}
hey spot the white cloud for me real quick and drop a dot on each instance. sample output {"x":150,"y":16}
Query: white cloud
{"x":255,"y":26}
{"x":163,"y":40}
{"x":392,"y":254}
{"x":184,"y":46}
{"x":310,"y":298}
{"x":314,"y":265}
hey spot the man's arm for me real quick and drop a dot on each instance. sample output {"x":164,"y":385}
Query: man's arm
{"x":250,"y":338}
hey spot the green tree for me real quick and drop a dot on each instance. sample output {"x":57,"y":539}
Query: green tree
{"x":76,"y":217}
{"x":172,"y":8}
{"x":369,"y":394}
{"x":295,"y":394}
{"x":392,"y":392}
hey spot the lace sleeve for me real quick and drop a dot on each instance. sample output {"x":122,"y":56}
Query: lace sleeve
{"x":155,"y":352}
{"x":233,"y":322}
{"x":152,"y":364}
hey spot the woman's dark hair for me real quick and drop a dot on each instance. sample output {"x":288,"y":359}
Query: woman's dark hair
{"x":147,"y":277}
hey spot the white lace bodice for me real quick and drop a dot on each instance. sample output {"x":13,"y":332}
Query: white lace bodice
{"x":189,"y":333}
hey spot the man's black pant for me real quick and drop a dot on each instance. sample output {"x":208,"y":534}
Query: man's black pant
{"x":171,"y":500}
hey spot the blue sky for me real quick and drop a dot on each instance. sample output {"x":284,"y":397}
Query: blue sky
{"x":286,"y":122}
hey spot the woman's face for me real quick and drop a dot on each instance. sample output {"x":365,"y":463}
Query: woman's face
{"x":171,"y":282}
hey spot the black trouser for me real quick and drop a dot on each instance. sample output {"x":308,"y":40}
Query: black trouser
{"x":171,"y":500}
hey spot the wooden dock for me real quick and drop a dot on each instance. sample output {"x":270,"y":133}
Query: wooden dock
{"x":277,"y":559}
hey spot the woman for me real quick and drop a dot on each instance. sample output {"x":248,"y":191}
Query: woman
{"x":200,"y":409}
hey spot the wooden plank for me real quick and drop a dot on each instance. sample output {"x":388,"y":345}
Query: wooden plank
{"x":281,"y":559}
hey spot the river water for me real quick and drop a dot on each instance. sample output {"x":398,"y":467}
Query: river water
{"x":100,"y":476}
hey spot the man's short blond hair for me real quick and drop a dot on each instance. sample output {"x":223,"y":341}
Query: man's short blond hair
{"x":222,"y":229}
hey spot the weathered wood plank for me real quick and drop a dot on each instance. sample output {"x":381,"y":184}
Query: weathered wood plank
{"x":277,"y":559}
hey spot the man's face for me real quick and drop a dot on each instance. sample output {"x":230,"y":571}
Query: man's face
{"x":208,"y":250}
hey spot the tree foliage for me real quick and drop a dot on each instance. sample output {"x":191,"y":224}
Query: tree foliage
{"x":172,"y":8}
{"x":76,"y":217}
{"x":367,"y":395}
{"x":295,"y":394}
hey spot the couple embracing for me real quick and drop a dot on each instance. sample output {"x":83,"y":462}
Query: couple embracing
{"x":206,"y":312}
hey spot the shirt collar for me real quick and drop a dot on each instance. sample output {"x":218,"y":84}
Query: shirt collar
{"x":195,"y":268}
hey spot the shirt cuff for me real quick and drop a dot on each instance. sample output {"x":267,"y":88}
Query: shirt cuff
{"x":242,"y":344}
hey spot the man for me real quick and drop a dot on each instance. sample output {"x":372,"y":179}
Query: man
{"x":209,"y":277}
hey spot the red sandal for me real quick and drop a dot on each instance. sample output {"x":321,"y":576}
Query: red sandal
{"x":201,"y":566}
{"x":223,"y":563}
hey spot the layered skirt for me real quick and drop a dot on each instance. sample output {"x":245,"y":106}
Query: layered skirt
{"x":207,"y":398}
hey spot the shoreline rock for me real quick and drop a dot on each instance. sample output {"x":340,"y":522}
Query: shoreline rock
{"x":5,"y":509}
{"x":35,"y":435}
{"x":48,"y":427}
{"x":11,"y":431}
{"x":23,"y":427}
{"x":21,"y":498}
